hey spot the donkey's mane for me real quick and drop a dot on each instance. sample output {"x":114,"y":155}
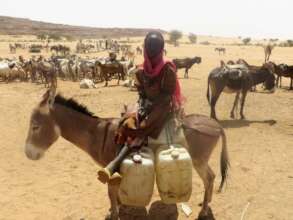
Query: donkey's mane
{"x":73,"y":104}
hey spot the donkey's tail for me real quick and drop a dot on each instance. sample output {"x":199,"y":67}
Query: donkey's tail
{"x":208,"y":92}
{"x":224,"y":160}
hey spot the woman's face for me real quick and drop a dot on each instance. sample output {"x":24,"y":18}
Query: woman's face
{"x":154,"y":44}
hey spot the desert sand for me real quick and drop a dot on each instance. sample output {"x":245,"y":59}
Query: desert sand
{"x":63,"y":185}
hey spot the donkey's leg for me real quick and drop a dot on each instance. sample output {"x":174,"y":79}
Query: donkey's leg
{"x":113,"y":197}
{"x":186,"y":73}
{"x":208,"y":177}
{"x":106,"y":81}
{"x":244,"y":93}
{"x":232,"y":115}
{"x":118,"y":79}
{"x":215,"y":95}
{"x":200,"y":148}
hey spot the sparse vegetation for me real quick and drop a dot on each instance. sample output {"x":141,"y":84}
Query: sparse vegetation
{"x":175,"y":35}
{"x":55,"y":37}
{"x":192,"y":38}
{"x":288,"y":43}
{"x":42,"y":36}
{"x":246,"y":40}
{"x":69,"y":38}
{"x":205,"y":43}
{"x":274,"y":39}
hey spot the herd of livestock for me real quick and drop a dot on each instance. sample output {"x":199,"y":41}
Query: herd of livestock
{"x":234,"y":77}
{"x":66,"y":66}
{"x":42,"y":70}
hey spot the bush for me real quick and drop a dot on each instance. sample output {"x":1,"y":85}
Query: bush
{"x":175,"y":35}
{"x":289,"y":43}
{"x":69,"y":38}
{"x":205,"y":43}
{"x":192,"y":38}
{"x":274,"y":39}
{"x":246,"y":40}
{"x":55,"y":37}
{"x":42,"y":36}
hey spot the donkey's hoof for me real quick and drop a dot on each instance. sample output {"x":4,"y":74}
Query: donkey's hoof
{"x":207,"y":215}
{"x":111,"y":217}
{"x":108,"y":217}
{"x":104,"y":175}
{"x":115,"y":179}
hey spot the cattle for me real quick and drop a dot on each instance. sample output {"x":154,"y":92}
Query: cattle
{"x":221,"y":50}
{"x":284,"y":70}
{"x":268,"y":51}
{"x":186,"y":63}
{"x":60,"y":49}
{"x":109,"y":70}
{"x":10,"y":71}
{"x":138,"y":50}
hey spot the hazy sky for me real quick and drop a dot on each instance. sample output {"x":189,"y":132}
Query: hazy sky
{"x":247,"y":18}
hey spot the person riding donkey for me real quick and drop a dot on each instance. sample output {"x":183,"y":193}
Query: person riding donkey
{"x":159,"y":101}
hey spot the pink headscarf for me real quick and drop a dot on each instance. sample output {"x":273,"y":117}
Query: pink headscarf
{"x":153,"y":67}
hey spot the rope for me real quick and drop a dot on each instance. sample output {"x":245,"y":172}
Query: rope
{"x":168,"y":134}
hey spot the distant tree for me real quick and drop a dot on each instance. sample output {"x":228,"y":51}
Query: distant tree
{"x":69,"y":38}
{"x":246,"y":40}
{"x":42,"y":36}
{"x":289,"y":43}
{"x":205,"y":43}
{"x":175,"y":35}
{"x":192,"y":38}
{"x":55,"y":37}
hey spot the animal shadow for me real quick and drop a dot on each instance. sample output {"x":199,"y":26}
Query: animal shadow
{"x":161,"y":211}
{"x":210,"y":216}
{"x":244,"y":123}
{"x":286,"y":89}
{"x":132,"y":213}
{"x":157,"y":211}
{"x":189,"y":78}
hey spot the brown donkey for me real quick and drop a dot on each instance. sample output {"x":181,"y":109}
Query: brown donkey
{"x":57,"y":116}
{"x":237,"y":79}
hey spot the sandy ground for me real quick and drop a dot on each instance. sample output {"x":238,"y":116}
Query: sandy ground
{"x":63,"y":185}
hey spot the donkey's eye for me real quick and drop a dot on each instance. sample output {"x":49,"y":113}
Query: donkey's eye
{"x":35,"y":127}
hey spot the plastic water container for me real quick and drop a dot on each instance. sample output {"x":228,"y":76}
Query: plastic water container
{"x":174,"y":174}
{"x":138,"y":178}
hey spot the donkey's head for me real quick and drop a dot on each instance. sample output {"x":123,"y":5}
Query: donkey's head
{"x":269,"y":82}
{"x":43,"y":130}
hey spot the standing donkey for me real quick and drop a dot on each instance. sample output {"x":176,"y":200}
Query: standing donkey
{"x":57,"y":116}
{"x":236,"y":79}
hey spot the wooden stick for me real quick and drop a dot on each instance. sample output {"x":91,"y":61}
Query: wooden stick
{"x":244,"y":211}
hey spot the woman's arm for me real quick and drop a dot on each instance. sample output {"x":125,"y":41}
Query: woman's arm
{"x":162,"y":105}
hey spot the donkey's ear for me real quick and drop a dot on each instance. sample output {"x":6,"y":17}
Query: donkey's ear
{"x":125,"y":107}
{"x":45,"y":98}
{"x":52,"y":94}
{"x":48,"y":98}
{"x":223,"y":64}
